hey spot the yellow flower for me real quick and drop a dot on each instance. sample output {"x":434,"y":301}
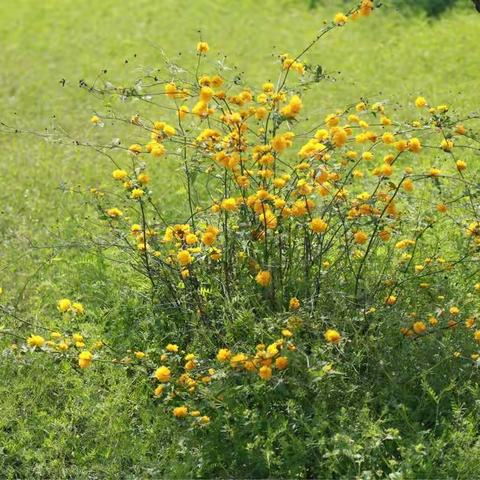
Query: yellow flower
{"x":294,"y":303}
{"x":180,"y":412}
{"x":340,"y":19}
{"x":162,"y":374}
{"x":95,"y":119}
{"x":202,"y":47}
{"x":391,"y":300}
{"x":64,"y":304}
{"x":114,"y":212}
{"x":184,"y":257}
{"x":76,"y":337}
{"x":137,"y":193}
{"x":281,"y":363}
{"x":35,"y":341}
{"x":135,"y":148}
{"x":420,"y":102}
{"x":476,"y":335}
{"x":265,"y":373}
{"x":419,"y":327}
{"x":454,"y":310}
{"x":85,"y":359}
{"x":447,"y":145}
{"x":223,"y":354}
{"x":263,"y":278}
{"x":204,"y":420}
{"x":414,"y":145}
{"x":461,"y":165}
{"x":332,"y":336}
{"x":157,"y":150}
{"x":287,"y":333}
{"x":360,"y":237}
{"x":119,"y":174}
{"x":78,"y":308}
{"x":140,"y":355}
{"x":229,"y":204}
{"x":318,"y":225}
{"x":159,"y":390}
{"x":171,"y":347}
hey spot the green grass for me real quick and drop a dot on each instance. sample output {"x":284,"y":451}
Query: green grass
{"x":58,"y":423}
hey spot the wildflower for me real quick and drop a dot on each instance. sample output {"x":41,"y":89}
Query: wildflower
{"x":35,"y":341}
{"x":287,"y":333}
{"x":162,"y":374}
{"x":203,"y":47}
{"x":360,"y":237}
{"x":442,"y":208}
{"x":95,"y":120}
{"x":470,"y":322}
{"x":454,"y":310}
{"x":476,"y":335}
{"x":447,"y":145}
{"x":139,"y":355}
{"x":420,"y":102}
{"x":159,"y":390}
{"x":204,"y":420}
{"x":414,"y":145}
{"x":85,"y":359}
{"x":184,"y":257}
{"x":391,"y":300}
{"x":171,"y":347}
{"x":263,"y":278}
{"x":64,"y":305}
{"x":137,"y":193}
{"x":135,"y":148}
{"x":318,"y":225}
{"x":157,"y":150}
{"x":229,"y":204}
{"x":223,"y":354}
{"x":114,"y":212}
{"x":77,"y":337}
{"x":265,"y":372}
{"x":433,"y":321}
{"x":119,"y":174}
{"x":332,"y":336}
{"x":143,"y":178}
{"x":78,"y":308}
{"x":180,"y":412}
{"x":461,"y":165}
{"x":419,"y":327}
{"x":293,"y":108}
{"x":294,"y":303}
{"x":340,"y":19}
{"x":281,"y":363}
{"x":182,"y":112}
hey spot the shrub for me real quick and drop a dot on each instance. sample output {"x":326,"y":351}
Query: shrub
{"x":308,"y":262}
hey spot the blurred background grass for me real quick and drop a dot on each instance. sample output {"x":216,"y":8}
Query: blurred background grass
{"x":394,"y":56}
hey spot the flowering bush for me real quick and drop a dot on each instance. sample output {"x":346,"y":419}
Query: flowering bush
{"x":302,"y":244}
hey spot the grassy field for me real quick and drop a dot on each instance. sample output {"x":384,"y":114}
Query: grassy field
{"x":57,"y":422}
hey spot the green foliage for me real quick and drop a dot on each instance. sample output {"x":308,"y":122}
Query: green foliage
{"x":396,"y":408}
